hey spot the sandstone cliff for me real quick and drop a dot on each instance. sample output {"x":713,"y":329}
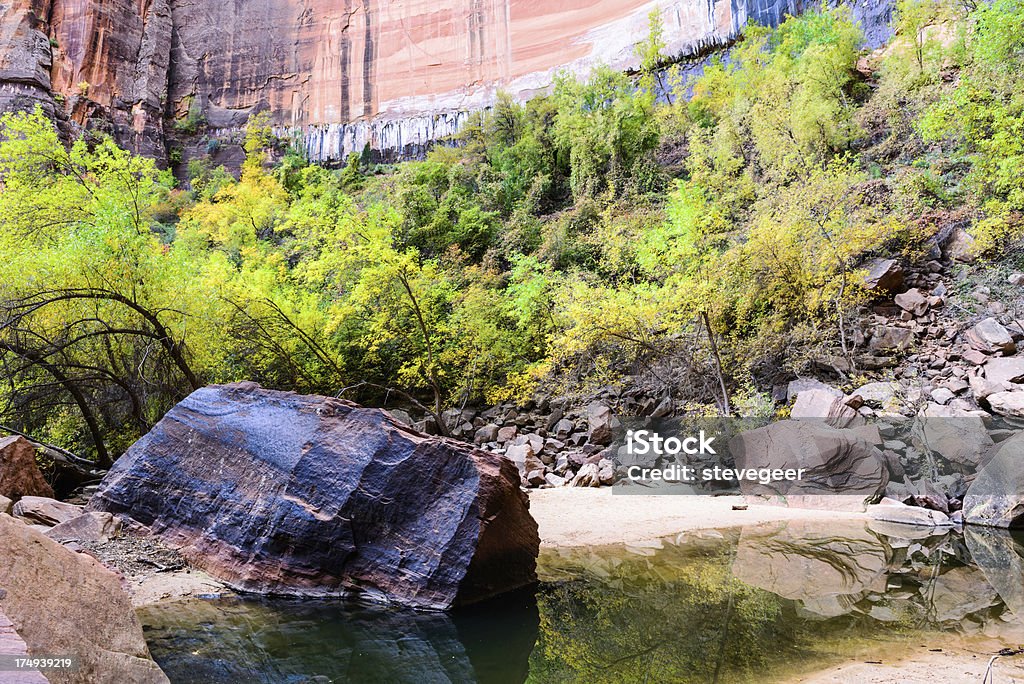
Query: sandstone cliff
{"x":342,"y":73}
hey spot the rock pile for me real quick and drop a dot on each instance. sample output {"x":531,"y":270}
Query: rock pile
{"x":941,"y":385}
{"x":551,"y":443}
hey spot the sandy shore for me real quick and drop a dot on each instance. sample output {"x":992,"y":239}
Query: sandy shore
{"x":929,"y":666}
{"x":570,"y":516}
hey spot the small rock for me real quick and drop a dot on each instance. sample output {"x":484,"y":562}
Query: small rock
{"x":90,"y":526}
{"x":663,"y":409}
{"x":888,"y":337}
{"x":942,"y":395}
{"x":535,"y":441}
{"x":1016,"y":279}
{"x":524,"y":458}
{"x":5,"y":504}
{"x":589,"y":475}
{"x":795,"y":387}
{"x":554,"y":480}
{"x":487,"y":433}
{"x":1009,"y":404}
{"x":913,"y":301}
{"x":45,"y":511}
{"x":536,"y":477}
{"x":553,"y":420}
{"x":606,"y":471}
{"x":956,"y":386}
{"x":601,"y":424}
{"x":884,"y":275}
{"x":878,"y":393}
{"x":990,"y":336}
{"x":427,"y":426}
{"x":401,"y":416}
{"x":818,"y":403}
{"x":553,"y":445}
{"x":563,"y":428}
{"x":974,"y":357}
{"x":507,"y":433}
{"x":891,"y":510}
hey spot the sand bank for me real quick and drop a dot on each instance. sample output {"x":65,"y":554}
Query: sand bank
{"x":570,"y":516}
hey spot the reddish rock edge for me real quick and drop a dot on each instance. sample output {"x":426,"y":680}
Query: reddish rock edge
{"x":63,"y":603}
{"x":19,"y":474}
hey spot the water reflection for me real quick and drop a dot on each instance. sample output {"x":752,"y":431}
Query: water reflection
{"x":295,"y":641}
{"x":731,"y":606}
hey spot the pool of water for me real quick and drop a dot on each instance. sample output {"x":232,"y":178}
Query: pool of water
{"x":755,"y":604}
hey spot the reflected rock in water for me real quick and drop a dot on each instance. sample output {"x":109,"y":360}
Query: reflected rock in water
{"x":959,"y":592}
{"x":806,"y":561}
{"x":996,"y":497}
{"x":736,"y":606}
{"x":1000,"y":556}
{"x":849,"y":569}
{"x":287,"y":641}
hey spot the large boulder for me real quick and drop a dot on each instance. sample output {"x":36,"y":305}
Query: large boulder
{"x":956,"y":435}
{"x":996,"y":497}
{"x":1001,"y":558}
{"x":281,"y":493}
{"x":961,"y":246}
{"x":19,"y":474}
{"x":65,"y":603}
{"x":814,"y":564}
{"x":834,"y":461}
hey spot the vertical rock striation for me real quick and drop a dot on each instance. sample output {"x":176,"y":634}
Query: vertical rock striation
{"x":343,"y":74}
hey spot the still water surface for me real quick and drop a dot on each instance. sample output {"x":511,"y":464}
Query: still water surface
{"x":754,"y":605}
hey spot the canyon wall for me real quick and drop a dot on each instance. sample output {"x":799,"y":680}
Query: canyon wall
{"x":393,"y":74}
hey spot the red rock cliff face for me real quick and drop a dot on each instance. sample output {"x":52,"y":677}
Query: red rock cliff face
{"x":342,"y":72}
